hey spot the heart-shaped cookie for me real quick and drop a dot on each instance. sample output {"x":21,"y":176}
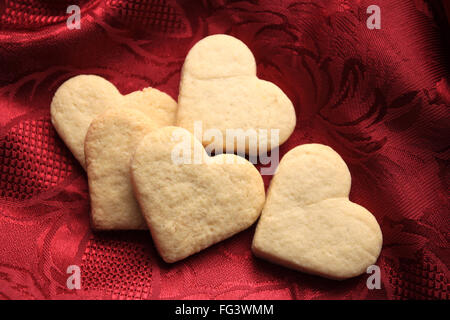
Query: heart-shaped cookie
{"x":309,"y":224}
{"x":80,"y":99}
{"x":110,"y":143}
{"x":219,"y":89}
{"x":190,"y":200}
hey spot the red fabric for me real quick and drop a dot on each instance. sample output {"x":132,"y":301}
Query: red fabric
{"x":378,"y":97}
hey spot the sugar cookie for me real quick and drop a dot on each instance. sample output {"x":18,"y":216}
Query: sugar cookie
{"x":193,"y":202}
{"x":80,"y":99}
{"x":219,"y":89}
{"x":309,"y":224}
{"x":110,"y":143}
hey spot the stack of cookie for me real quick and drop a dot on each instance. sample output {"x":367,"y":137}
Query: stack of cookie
{"x":147,"y":169}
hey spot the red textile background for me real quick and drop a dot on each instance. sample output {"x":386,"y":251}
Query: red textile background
{"x":378,"y":97}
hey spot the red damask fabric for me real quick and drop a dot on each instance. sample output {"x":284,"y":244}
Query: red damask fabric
{"x":380,"y":98}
